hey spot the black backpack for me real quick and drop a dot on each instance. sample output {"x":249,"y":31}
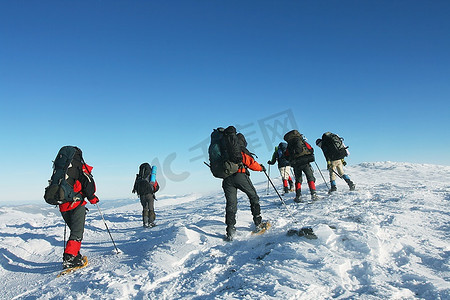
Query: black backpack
{"x":333,"y":146}
{"x":65,"y":165}
{"x":297,"y":148}
{"x":142,"y":184}
{"x":224,"y":152}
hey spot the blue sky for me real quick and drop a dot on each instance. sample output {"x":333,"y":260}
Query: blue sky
{"x":136,"y":81}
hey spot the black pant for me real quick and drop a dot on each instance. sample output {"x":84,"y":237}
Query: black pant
{"x":230,"y":186}
{"x":307,"y":169}
{"x":75,"y":219}
{"x":148,"y":208}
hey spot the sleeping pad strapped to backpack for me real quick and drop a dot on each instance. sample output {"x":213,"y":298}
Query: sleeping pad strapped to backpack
{"x":143,"y":183}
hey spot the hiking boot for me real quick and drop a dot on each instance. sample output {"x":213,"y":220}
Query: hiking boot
{"x":257,"y":220}
{"x":70,"y":261}
{"x":231,"y":232}
{"x":298,"y":196}
{"x":298,"y":200}
{"x":286,"y":190}
{"x":314,"y":196}
{"x":291,"y":186}
{"x":351,"y":185}
{"x":332,"y":189}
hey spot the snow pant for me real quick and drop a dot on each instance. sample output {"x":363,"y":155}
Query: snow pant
{"x":309,"y":173}
{"x":285,"y":173}
{"x":230,"y":186}
{"x":75,"y":220}
{"x":338,"y":166}
{"x":148,"y":208}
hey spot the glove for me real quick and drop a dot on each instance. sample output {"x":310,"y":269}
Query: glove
{"x":344,"y":162}
{"x":133,"y":191}
{"x":329,"y":165}
{"x":263,"y":169}
{"x":268,"y":162}
{"x":94,"y":200}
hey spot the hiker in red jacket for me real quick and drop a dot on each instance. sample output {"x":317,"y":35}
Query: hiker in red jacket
{"x":74,"y":213}
{"x":241,"y":180}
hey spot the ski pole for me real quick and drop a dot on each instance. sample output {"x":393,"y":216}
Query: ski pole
{"x":267,"y":190}
{"x":322,"y":175}
{"x":98,"y":207}
{"x":282,"y":201}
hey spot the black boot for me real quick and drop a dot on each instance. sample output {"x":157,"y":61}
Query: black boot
{"x":70,"y":261}
{"x":231,"y":231}
{"x":298,"y":196}
{"x":314,"y":196}
{"x":257,"y":220}
{"x":286,"y":190}
{"x":351,"y":185}
{"x":291,"y":185}
{"x":332,"y":189}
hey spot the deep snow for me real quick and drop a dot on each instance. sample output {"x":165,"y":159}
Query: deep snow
{"x":389,"y":239}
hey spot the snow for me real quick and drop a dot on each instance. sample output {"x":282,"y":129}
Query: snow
{"x":389,"y":239}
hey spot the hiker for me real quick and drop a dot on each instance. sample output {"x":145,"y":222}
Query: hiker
{"x":299,"y":154}
{"x":226,"y":143}
{"x":335,"y":151}
{"x":74,"y":212}
{"x":283,"y":166}
{"x":146,"y":186}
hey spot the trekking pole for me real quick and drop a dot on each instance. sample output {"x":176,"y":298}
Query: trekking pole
{"x":267,"y":190}
{"x":65,"y":228}
{"x":322,"y":175}
{"x":98,"y":207}
{"x":282,"y":201}
{"x":338,"y":174}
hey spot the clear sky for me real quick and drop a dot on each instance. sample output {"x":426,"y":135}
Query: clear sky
{"x":147,"y":81}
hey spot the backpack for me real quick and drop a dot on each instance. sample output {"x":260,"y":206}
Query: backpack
{"x":224,"y":152}
{"x":60,"y":188}
{"x":299,"y":151}
{"x":281,"y":149}
{"x":281,"y":154}
{"x":333,"y":146}
{"x":243,"y":144}
{"x":142,"y":184}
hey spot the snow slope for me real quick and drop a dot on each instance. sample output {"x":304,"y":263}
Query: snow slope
{"x":389,"y":239}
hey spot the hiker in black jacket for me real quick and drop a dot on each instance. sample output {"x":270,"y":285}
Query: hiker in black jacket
{"x":283,"y":166}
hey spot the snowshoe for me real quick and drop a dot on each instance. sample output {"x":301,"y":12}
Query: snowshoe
{"x":81,"y":262}
{"x":314,"y":196}
{"x":298,"y":200}
{"x":261,"y":228}
{"x":307,"y":232}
